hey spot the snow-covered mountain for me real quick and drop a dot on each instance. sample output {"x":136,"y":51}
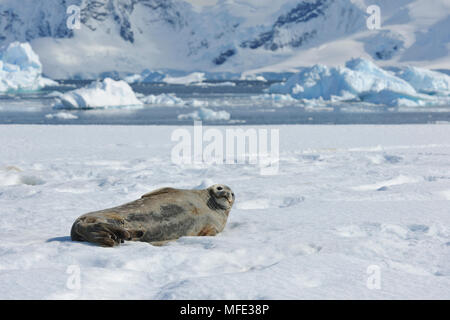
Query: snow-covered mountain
{"x":231,"y":35}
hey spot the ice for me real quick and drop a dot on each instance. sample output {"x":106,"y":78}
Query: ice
{"x":315,"y":230}
{"x":252,"y":77}
{"x":145,"y":76}
{"x":276,"y":99}
{"x":163,"y":99}
{"x":426,"y":81}
{"x":100,"y":94}
{"x":361,"y":79}
{"x":215,"y":84}
{"x":61,"y":115}
{"x":205,"y":114}
{"x":194,"y":77}
{"x":20,"y":69}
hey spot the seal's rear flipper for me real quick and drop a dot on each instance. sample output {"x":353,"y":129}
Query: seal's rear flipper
{"x":101,"y":233}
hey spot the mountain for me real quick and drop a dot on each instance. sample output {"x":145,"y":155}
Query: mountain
{"x":127,"y":36}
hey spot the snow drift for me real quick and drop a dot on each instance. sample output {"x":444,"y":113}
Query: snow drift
{"x":361,"y":79}
{"x":106,"y":93}
{"x":20,"y":69}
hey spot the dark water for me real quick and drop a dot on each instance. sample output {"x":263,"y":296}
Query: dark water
{"x":34,"y":108}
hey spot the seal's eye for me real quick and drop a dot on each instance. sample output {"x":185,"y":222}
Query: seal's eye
{"x":219,"y":188}
{"x":232,"y":194}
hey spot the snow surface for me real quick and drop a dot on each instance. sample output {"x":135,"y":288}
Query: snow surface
{"x":99,"y":94}
{"x":20,"y":69}
{"x":346,"y":200}
{"x":361,"y":79}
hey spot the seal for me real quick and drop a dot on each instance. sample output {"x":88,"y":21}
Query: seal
{"x":157,"y":217}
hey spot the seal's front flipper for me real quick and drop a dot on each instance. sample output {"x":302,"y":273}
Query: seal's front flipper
{"x":104,"y":234}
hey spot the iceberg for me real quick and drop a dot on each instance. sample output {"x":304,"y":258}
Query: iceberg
{"x":20,"y":69}
{"x":358,"y":76}
{"x":163,"y":99}
{"x":362,"y":80}
{"x":194,"y":77}
{"x":252,"y":77}
{"x":100,"y":94}
{"x":426,"y":81}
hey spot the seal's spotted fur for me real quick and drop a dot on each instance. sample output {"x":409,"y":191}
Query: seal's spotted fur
{"x":159,"y":216}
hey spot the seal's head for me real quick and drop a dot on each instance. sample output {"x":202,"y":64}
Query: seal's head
{"x":221,"y":197}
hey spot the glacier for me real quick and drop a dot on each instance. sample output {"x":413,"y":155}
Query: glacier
{"x":21,"y":69}
{"x":99,"y":94}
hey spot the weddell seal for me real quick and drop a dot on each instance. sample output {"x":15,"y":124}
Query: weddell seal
{"x":158,"y":216}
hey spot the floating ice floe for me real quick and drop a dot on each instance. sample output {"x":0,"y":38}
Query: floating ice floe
{"x":163,"y":99}
{"x":252,"y":77}
{"x":360,"y":79}
{"x":20,"y":69}
{"x":62,"y":116}
{"x":194,"y":77}
{"x":275,"y":99}
{"x":198,"y":103}
{"x":100,"y":94}
{"x":205,"y":114}
{"x":215,"y":84}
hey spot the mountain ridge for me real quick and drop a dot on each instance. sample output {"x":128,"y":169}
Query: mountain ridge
{"x":232,"y":36}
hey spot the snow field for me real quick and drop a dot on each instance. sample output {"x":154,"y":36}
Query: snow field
{"x":345,"y":199}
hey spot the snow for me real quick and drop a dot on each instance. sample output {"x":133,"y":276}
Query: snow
{"x":361,"y":79}
{"x":307,"y":232}
{"x":205,"y":114}
{"x":276,"y":99}
{"x":100,"y":94}
{"x":20,"y":69}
